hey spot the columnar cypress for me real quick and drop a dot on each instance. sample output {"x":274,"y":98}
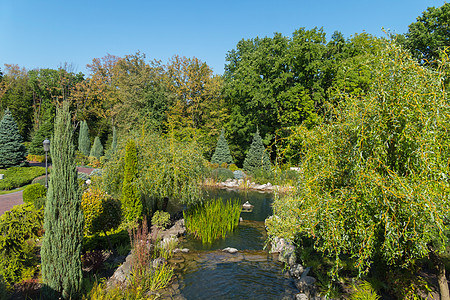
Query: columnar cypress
{"x":84,"y":144}
{"x":222,"y":153}
{"x":131,"y":197}
{"x":257,"y":158}
{"x":12,"y":151}
{"x":114,"y":140}
{"x":97,"y":148}
{"x":63,"y":217}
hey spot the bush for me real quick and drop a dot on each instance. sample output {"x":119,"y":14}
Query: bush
{"x":233,"y":167}
{"x":19,"y":176}
{"x":37,"y":158}
{"x":221,"y":174}
{"x":33,"y":192}
{"x":93,"y":162}
{"x":19,"y":230}
{"x":3,"y":289}
{"x":81,"y":159}
{"x":161,"y":219}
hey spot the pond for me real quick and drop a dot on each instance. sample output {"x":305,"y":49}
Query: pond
{"x":207,"y":272}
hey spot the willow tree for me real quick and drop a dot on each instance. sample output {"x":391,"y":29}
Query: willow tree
{"x":375,"y":179}
{"x":63,"y":218}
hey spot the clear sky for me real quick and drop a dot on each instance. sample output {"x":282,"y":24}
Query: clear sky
{"x":47,"y":33}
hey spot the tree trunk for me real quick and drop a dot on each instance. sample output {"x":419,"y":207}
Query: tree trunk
{"x":442,"y":280}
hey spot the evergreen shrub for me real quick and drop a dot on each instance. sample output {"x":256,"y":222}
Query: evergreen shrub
{"x":257,"y":157}
{"x":221,"y":174}
{"x":33,"y":192}
{"x":233,"y":167}
{"x":131,"y":197}
{"x":222,"y":153}
{"x":20,"y":228}
{"x":19,"y":176}
{"x":12,"y":150}
{"x":97,"y":148}
{"x":161,"y":219}
{"x":84,"y":144}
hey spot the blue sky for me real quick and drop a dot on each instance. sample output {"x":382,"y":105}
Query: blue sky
{"x":45,"y":34}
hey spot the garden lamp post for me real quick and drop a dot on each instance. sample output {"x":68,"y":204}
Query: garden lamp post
{"x":46,"y":149}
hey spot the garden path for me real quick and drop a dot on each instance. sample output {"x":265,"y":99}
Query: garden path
{"x":8,"y":201}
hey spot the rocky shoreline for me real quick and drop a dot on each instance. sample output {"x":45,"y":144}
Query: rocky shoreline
{"x":242,"y":184}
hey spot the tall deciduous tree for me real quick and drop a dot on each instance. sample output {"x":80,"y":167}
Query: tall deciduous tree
{"x":63,"y":217}
{"x":12,"y":151}
{"x":131,"y":197}
{"x":222,"y":153}
{"x":257,"y":158}
{"x":84,"y":144}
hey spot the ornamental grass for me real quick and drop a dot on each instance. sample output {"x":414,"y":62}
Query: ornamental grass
{"x":213,"y":220}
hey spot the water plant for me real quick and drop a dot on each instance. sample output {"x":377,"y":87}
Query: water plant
{"x":212,"y":220}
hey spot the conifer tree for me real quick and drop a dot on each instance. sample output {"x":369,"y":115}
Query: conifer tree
{"x":131,"y":197}
{"x":97,"y":148}
{"x":222,"y":153}
{"x":63,"y":217}
{"x":257,"y":158}
{"x":45,"y":131}
{"x":12,"y":151}
{"x":84,"y":144}
{"x":113,"y":147}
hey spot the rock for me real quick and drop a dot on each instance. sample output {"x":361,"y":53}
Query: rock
{"x":301,"y":296}
{"x":176,"y":250}
{"x":286,"y":250}
{"x":230,"y":250}
{"x":296,"y":271}
{"x":122,"y":273}
{"x":306,"y":285}
{"x":240,"y":219}
{"x":178,"y":229}
{"x":158,"y":262}
{"x":185,"y":250}
{"x":247,"y":206}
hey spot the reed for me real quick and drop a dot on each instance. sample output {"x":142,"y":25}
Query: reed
{"x":213,"y":220}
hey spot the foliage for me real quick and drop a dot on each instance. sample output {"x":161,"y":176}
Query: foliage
{"x":212,"y":220}
{"x":97,"y":148}
{"x":118,"y":238}
{"x":364,"y":291}
{"x":33,"y":193}
{"x":429,"y":34}
{"x":101,"y":212}
{"x":131,"y":197}
{"x":19,"y":176}
{"x":37,"y":158}
{"x":233,"y":167}
{"x":257,"y":158}
{"x":161,"y":219}
{"x":61,"y":247}
{"x":222,"y":153}
{"x":45,"y":131}
{"x":221,"y":174}
{"x":84,"y":144}
{"x":20,"y":228}
{"x":12,"y":151}
{"x":3,"y":289}
{"x":373,"y":179}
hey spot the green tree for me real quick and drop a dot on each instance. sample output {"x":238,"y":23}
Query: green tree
{"x":257,"y":158}
{"x":222,"y":153}
{"x":374,"y":179}
{"x":63,"y":217}
{"x":97,"y":148}
{"x":45,"y":131}
{"x":84,"y":144}
{"x":131,"y":197}
{"x":429,"y":34}
{"x":12,"y":151}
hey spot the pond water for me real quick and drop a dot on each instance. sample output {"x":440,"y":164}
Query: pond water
{"x":206,"y":272}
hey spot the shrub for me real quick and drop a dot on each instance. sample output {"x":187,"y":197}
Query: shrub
{"x":239,"y":174}
{"x":19,"y":176}
{"x":161,"y":218}
{"x":221,"y":174}
{"x":96,"y":172}
{"x":212,"y":220}
{"x":93,"y":162}
{"x":19,"y":229}
{"x":81,"y":159}
{"x":33,"y":192}
{"x":97,"y":148}
{"x":37,"y":158}
{"x":257,"y":157}
{"x":233,"y":167}
{"x":12,"y":151}
{"x":131,"y":197}
{"x":364,"y":291}
{"x":3,"y":289}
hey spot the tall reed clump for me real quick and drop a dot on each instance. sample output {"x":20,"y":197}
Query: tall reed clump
{"x":212,"y":220}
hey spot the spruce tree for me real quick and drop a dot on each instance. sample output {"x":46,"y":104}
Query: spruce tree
{"x":84,"y":144}
{"x":257,"y":158}
{"x":222,"y":153}
{"x":97,"y":148}
{"x":12,"y":151}
{"x":131,"y":197}
{"x":45,"y":131}
{"x":63,"y":217}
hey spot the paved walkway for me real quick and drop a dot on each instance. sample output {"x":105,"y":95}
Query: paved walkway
{"x":8,"y":201}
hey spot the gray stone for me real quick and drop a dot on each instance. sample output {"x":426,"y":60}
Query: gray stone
{"x":296,"y":271}
{"x":230,"y":250}
{"x":158,"y":262}
{"x":301,"y":296}
{"x":122,"y":273}
{"x":185,"y":250}
{"x":306,"y":285}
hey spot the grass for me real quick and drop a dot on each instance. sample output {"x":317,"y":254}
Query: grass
{"x":213,"y":220}
{"x":12,"y":191}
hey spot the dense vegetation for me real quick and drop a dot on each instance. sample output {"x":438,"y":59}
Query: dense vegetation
{"x":364,"y":119}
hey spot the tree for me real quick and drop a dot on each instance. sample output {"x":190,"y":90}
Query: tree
{"x":84,"y":144}
{"x":45,"y":131}
{"x":222,"y":153}
{"x":12,"y":151}
{"x":257,"y":158}
{"x":63,"y":217}
{"x":131,"y":197}
{"x":374,"y":179}
{"x":97,"y":148}
{"x":429,"y":34}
